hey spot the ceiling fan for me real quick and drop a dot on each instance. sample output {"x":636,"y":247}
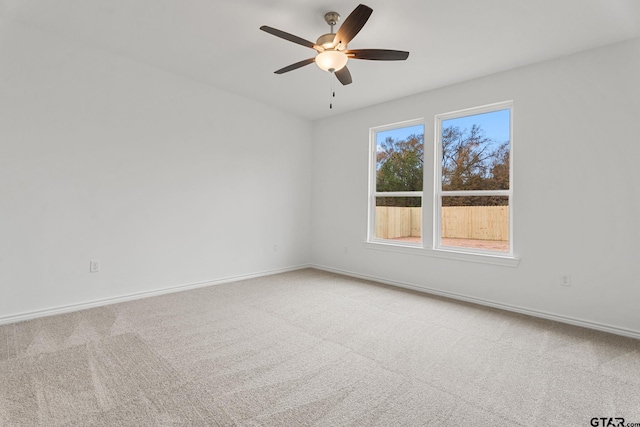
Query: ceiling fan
{"x":332,"y":53}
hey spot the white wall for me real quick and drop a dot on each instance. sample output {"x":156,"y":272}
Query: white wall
{"x":576,"y":151}
{"x":168,"y":182}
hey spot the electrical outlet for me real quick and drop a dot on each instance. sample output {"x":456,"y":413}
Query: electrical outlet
{"x":94,"y":266}
{"x":346,"y":249}
{"x":275,"y":248}
{"x":565,"y":280}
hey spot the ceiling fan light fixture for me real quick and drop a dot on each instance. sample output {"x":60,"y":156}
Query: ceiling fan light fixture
{"x":331,"y":48}
{"x":331,"y":60}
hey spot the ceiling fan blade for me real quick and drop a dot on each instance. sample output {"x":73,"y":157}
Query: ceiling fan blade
{"x":291,"y":37}
{"x":352,"y":25}
{"x":377,"y":54}
{"x":295,"y":66}
{"x":344,"y":76}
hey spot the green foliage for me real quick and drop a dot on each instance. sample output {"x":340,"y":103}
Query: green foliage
{"x":470,"y":161}
{"x":400,"y":164}
{"x":400,"y":167}
{"x":403,"y":202}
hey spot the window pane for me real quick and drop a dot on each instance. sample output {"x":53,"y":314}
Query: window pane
{"x":475,"y":152}
{"x":399,"y":218}
{"x":399,"y":159}
{"x":477,"y":222}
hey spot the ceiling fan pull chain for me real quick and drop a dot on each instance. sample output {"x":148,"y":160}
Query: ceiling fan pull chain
{"x":333,"y":90}
{"x":330,"y":90}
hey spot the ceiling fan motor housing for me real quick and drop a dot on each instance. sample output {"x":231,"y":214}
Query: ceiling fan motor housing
{"x":326,"y":41}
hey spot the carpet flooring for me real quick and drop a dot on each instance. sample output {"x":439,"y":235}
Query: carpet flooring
{"x":311,"y":348}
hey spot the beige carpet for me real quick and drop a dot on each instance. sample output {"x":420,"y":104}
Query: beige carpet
{"x":311,"y":348}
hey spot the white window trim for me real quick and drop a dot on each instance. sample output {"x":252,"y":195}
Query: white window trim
{"x":438,"y":192}
{"x":429,"y":249}
{"x":459,"y":254}
{"x":373,"y":147}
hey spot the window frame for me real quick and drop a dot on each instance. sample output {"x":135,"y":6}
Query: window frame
{"x":431,"y":182}
{"x":438,"y":193}
{"x":373,"y":194}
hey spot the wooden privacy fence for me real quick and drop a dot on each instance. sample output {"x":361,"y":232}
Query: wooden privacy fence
{"x":458,"y":222}
{"x":393,"y":222}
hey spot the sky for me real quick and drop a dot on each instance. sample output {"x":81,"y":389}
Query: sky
{"x":400,"y":134}
{"x":494,"y":124}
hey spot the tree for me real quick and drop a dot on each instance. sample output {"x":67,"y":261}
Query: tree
{"x":400,"y":167}
{"x":471,"y":161}
{"x":465,"y":158}
{"x":500,"y":168}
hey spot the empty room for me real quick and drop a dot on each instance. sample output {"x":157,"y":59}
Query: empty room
{"x":319,"y":213}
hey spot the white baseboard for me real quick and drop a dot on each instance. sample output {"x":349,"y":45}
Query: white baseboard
{"x":184,"y":287}
{"x":138,"y":295}
{"x":535,"y":313}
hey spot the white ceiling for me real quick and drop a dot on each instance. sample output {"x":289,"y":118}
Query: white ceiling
{"x":219,"y":42}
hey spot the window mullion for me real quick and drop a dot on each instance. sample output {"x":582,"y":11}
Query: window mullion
{"x":476,"y":193}
{"x":398,"y":194}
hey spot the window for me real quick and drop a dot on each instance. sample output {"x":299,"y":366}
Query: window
{"x":462,"y":208}
{"x":396,"y":181}
{"x":473,"y":188}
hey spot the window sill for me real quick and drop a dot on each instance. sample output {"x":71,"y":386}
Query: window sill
{"x":452,"y":254}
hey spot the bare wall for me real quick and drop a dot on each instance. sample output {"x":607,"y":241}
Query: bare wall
{"x":576,"y":150}
{"x":166,"y":181}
